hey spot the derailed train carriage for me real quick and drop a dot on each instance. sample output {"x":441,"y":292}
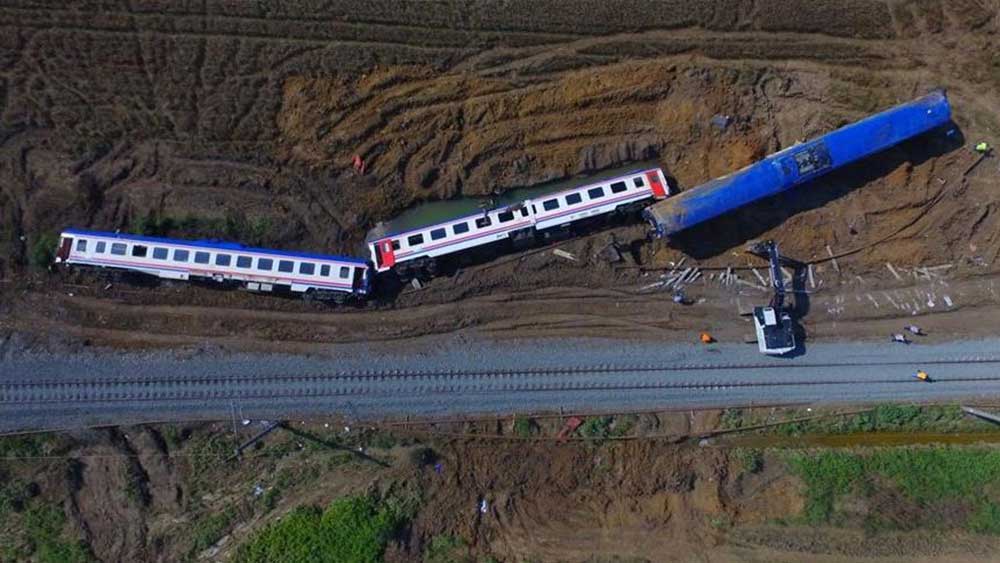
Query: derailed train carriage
{"x":341,"y":278}
{"x":318,"y":276}
{"x":799,"y":164}
{"x":414,"y":250}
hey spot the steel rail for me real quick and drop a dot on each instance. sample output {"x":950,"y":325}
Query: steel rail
{"x":385,"y":375}
{"x":263,"y":390}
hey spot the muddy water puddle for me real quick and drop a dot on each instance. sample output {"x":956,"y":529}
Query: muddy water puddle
{"x":860,"y":439}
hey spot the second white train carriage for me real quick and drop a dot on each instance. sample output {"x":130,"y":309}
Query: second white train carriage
{"x":391,"y":249}
{"x":257,"y":269}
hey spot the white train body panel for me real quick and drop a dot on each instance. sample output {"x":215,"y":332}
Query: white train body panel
{"x":258,"y":269}
{"x":553,"y":210}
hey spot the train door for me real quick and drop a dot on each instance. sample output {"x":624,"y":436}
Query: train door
{"x":359,"y":283}
{"x":386,"y":255}
{"x":64,"y":247}
{"x":658,"y":188}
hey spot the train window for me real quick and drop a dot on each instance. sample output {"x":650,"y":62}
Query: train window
{"x":573,"y":199}
{"x":181,"y":255}
{"x":414,"y":240}
{"x":101,"y":246}
{"x":505,"y":216}
{"x":243,"y":261}
{"x":483,"y":222}
{"x":459,"y":228}
{"x":345,"y":272}
{"x":524,"y":212}
{"x":307,"y":268}
{"x":118,"y":248}
{"x":324,"y":270}
{"x":638,"y":181}
{"x":201,"y":257}
{"x":160,"y":253}
{"x":438,"y":234}
{"x":618,"y":187}
{"x":139,"y":251}
{"x":285,"y":266}
{"x":550,"y":204}
{"x":223,"y":259}
{"x":395,"y":244}
{"x":81,"y":245}
{"x":265,"y":264}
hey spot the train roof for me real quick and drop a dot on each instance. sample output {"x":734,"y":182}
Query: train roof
{"x":436,"y":212}
{"x":214,"y":245}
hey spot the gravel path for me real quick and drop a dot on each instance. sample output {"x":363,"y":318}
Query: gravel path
{"x":459,"y":376}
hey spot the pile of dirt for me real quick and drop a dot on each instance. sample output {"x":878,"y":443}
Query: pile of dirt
{"x":496,"y":489}
{"x":151,"y":111}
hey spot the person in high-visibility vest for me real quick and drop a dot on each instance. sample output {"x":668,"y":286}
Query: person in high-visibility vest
{"x":982,"y":147}
{"x":707,"y":338}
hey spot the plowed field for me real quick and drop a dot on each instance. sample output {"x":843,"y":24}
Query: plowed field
{"x":240,"y":120}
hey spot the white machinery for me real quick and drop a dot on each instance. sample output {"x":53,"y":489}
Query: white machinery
{"x":775,"y":331}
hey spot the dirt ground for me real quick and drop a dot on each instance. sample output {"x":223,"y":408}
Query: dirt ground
{"x":240,"y":121}
{"x":164,"y":493}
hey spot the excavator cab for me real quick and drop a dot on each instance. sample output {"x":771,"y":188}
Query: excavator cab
{"x":773,"y":325}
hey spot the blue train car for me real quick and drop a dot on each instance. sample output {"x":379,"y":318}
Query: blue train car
{"x":799,"y":164}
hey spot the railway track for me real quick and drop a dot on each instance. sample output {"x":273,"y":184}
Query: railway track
{"x":386,"y":375}
{"x":402,"y":383}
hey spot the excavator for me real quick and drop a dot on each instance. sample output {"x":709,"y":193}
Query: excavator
{"x":773,"y":324}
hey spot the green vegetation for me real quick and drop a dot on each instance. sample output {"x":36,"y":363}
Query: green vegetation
{"x":351,"y":529}
{"x":210,"y":528}
{"x":234,"y":226}
{"x":524,"y":427}
{"x":926,"y":476}
{"x":751,"y":460}
{"x":207,"y":452}
{"x":596,"y":427}
{"x":624,"y":424}
{"x":446,"y":549}
{"x":882,"y":418}
{"x":13,"y":496}
{"x":888,"y":418}
{"x":43,"y":250}
{"x":43,"y":526}
{"x":28,"y":445}
{"x":986,"y":520}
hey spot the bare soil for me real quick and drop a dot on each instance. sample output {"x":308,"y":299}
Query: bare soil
{"x":153,"y":493}
{"x":241,"y":121}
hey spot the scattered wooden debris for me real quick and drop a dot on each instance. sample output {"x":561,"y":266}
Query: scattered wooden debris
{"x":812,"y":280}
{"x":563,"y":254}
{"x":893,"y":271}
{"x":832,"y":258}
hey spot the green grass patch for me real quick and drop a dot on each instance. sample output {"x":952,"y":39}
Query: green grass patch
{"x":233,"y":226}
{"x":524,"y":427}
{"x":209,"y":529}
{"x":446,"y":549}
{"x":351,"y":529}
{"x":926,"y":476}
{"x":26,"y":445}
{"x":43,"y":251}
{"x":43,"y":526}
{"x":596,"y":427}
{"x":750,"y":460}
{"x":888,"y":418}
